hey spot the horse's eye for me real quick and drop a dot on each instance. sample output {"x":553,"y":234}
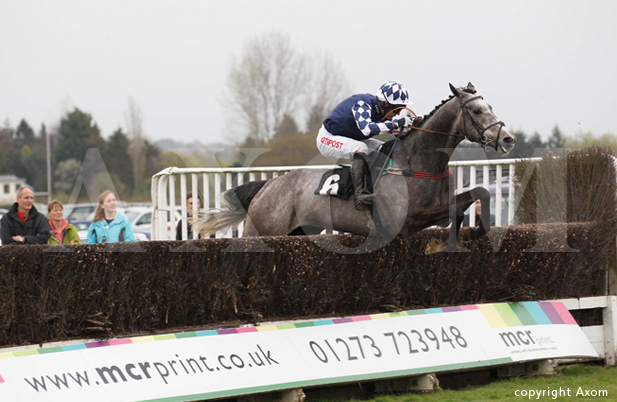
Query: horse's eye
{"x":477,"y":111}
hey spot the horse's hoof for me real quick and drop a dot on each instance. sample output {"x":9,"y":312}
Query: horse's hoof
{"x":434,"y":246}
{"x":438,"y":246}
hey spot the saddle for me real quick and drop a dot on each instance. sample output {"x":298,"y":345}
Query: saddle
{"x":337,"y":182}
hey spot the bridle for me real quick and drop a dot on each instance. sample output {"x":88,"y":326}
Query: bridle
{"x":484,"y":141}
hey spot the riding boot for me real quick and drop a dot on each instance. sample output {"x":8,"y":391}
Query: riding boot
{"x":361,"y":195}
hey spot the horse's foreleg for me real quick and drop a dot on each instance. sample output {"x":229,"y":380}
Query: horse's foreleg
{"x":482,"y":194}
{"x":456,"y":211}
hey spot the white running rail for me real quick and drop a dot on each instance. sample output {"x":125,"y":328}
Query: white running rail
{"x":495,"y":175}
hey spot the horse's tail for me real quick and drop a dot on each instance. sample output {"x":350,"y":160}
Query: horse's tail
{"x":234,"y":206}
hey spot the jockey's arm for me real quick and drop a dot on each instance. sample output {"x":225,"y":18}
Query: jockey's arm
{"x":363,"y":114}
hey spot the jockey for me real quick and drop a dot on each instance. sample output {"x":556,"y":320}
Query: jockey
{"x":346,"y":133}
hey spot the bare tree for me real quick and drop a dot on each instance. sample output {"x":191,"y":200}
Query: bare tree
{"x":266,"y":84}
{"x":133,"y":118}
{"x":326,"y":88}
{"x":272,"y":81}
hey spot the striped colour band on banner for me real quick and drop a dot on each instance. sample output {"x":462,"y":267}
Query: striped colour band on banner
{"x":498,"y":315}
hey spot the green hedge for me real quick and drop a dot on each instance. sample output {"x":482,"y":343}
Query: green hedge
{"x":577,"y":187}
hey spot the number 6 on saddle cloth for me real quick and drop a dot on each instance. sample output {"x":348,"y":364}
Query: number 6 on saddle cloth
{"x":337,"y":182}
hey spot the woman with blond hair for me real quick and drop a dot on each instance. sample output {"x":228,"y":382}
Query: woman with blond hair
{"x":62,"y":232}
{"x":109,"y":225}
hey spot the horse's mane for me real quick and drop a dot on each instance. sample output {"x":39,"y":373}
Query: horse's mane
{"x":419,"y":122}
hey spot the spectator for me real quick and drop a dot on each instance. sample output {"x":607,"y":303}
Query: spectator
{"x":478,"y":206}
{"x":109,"y":225}
{"x":189,"y":212}
{"x":23,"y":224}
{"x":62,"y":232}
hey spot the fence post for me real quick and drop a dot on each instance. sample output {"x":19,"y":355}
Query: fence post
{"x":610,"y":330}
{"x":172,"y":208}
{"x":511,"y":195}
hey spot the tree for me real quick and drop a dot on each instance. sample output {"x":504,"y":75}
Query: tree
{"x":24,"y":134}
{"x":134,"y":126}
{"x":118,"y":160}
{"x":327,"y":87}
{"x":77,"y":133}
{"x":525,"y":147}
{"x":272,"y":80}
{"x":32,"y":158}
{"x":556,"y":140}
{"x":291,"y":150}
{"x":152,"y":167}
{"x":100,"y":183}
{"x":288,"y":127}
{"x":65,"y":175}
{"x":9,"y":156}
{"x":588,"y":139}
{"x":33,"y":164}
{"x":153,"y":160}
{"x":266,"y":84}
{"x":315,"y":119}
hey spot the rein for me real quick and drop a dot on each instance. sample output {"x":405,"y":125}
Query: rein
{"x":479,"y":129}
{"x":391,"y":114}
{"x":436,"y":176}
{"x":406,"y":172}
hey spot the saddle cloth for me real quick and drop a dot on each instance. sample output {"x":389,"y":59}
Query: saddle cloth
{"x":337,"y":182}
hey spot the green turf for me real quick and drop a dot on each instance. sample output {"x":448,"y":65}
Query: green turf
{"x":576,"y":378}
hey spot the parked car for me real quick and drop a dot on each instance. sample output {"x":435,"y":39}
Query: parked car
{"x":141,"y":220}
{"x":79,"y":212}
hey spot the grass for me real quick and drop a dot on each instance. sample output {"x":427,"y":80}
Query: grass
{"x":588,"y":378}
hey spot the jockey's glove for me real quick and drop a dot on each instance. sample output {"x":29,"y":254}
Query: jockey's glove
{"x":404,"y":121}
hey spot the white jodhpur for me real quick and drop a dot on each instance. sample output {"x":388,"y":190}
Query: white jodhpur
{"x":339,"y":147}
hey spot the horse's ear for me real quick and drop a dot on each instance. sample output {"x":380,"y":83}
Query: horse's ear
{"x":454,"y":91}
{"x":471,"y":88}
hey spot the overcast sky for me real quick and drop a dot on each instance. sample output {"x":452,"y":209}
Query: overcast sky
{"x":538,"y":63}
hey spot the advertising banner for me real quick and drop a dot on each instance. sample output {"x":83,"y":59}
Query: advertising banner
{"x":227,"y":362}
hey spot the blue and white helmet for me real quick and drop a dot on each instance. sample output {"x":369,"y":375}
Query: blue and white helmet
{"x":394,"y":94}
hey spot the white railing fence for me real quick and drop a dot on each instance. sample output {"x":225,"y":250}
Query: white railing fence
{"x":170,"y":188}
{"x":603,"y":337}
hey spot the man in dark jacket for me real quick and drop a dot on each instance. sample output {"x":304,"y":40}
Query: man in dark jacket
{"x":478,"y":206}
{"x":23,"y":224}
{"x":189,"y":211}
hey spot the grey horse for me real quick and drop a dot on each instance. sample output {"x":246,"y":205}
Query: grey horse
{"x":415,"y":195}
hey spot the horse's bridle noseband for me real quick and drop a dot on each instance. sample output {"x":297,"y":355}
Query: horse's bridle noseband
{"x":484,"y":141}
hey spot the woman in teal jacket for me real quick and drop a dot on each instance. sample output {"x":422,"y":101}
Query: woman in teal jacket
{"x":109,"y":225}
